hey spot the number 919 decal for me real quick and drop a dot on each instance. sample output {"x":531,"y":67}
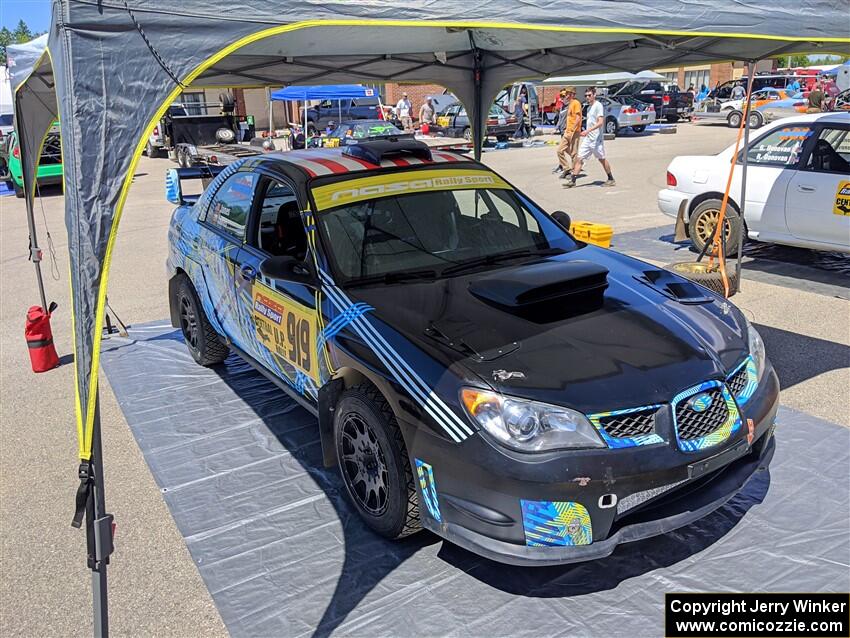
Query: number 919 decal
{"x":286,"y":328}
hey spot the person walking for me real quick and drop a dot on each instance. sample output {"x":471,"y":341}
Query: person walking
{"x":568,"y":146}
{"x":703,"y":93}
{"x":592,"y":140}
{"x":405,"y":109}
{"x":426,"y":113}
{"x":521,"y":114}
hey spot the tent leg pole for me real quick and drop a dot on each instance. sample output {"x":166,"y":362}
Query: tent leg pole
{"x":742,"y":204}
{"x":35,"y":251}
{"x":477,"y":79}
{"x":95,"y":512}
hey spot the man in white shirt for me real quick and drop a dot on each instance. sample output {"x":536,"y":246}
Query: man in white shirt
{"x":592,"y":140}
{"x":405,"y":108}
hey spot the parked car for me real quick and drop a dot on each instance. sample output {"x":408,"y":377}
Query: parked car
{"x":356,"y":131}
{"x":670,"y":103}
{"x":798,"y":192}
{"x":733,"y":110}
{"x":441,"y":101}
{"x":49,"y":169}
{"x":788,"y":107}
{"x":454,"y":122}
{"x":762,"y":81}
{"x":508,"y":96}
{"x":623,"y":113}
{"x":7,"y":121}
{"x":475,"y":370}
{"x":361,"y":108}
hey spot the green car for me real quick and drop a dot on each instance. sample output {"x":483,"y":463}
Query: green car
{"x":49,"y":166}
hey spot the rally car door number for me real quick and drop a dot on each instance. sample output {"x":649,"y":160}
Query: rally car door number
{"x":287,"y":328}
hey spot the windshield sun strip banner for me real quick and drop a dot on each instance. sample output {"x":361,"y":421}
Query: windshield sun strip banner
{"x":420,"y":181}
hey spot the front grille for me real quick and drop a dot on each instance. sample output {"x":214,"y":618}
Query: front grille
{"x":738,"y":381}
{"x":639,"y":498}
{"x":691,"y":424}
{"x":629,"y":424}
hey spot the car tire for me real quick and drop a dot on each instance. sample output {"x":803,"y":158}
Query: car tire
{"x":151,"y":150}
{"x":467,"y":134}
{"x":374,"y":464}
{"x":703,"y":221}
{"x":733,"y":120}
{"x":19,"y":191}
{"x":611,"y":127}
{"x":756,"y":120}
{"x":672,"y":119}
{"x":205,"y":345}
{"x":705,"y":275}
{"x":639,"y":129}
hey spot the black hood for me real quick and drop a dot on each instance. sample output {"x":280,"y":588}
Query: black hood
{"x":634,"y":345}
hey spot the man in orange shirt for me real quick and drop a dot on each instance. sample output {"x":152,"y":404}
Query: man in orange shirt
{"x":568,"y":146}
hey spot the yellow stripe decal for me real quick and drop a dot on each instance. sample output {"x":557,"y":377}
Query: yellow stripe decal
{"x":419,"y":181}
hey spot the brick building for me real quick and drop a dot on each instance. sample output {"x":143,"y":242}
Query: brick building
{"x":416,"y":93}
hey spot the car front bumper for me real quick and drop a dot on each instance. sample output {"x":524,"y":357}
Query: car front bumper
{"x":483,"y":498}
{"x":670,"y":201}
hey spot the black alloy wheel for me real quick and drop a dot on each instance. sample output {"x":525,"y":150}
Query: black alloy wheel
{"x":364,"y":465}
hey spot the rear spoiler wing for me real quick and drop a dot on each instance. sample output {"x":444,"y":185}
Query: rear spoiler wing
{"x":175,"y":176}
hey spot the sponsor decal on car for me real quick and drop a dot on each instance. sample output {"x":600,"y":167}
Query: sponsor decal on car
{"x":357,"y":190}
{"x":287,"y":328}
{"x":842,"y":199}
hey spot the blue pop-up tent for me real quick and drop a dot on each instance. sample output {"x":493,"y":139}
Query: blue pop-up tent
{"x":322,"y":92}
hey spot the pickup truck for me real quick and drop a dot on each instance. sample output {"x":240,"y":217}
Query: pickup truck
{"x":454,"y":122}
{"x":192,"y":140}
{"x":670,"y":103}
{"x":361,"y":108}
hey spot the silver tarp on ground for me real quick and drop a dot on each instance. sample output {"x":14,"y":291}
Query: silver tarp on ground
{"x":284,"y":554}
{"x":112,"y":67}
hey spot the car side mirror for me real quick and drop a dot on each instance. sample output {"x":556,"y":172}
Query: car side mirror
{"x":563,"y":219}
{"x":288,"y":268}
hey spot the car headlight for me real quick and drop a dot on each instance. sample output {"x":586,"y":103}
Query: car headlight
{"x":756,"y":346}
{"x":529,"y":426}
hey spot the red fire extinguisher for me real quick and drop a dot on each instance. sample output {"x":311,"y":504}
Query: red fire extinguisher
{"x":39,"y":338}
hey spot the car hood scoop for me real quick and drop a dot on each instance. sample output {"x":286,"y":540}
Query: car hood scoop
{"x":526,"y":287}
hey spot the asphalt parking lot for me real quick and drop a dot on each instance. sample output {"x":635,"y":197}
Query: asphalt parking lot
{"x":154,"y":585}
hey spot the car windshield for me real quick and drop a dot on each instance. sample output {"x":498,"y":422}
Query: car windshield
{"x":434,"y":232}
{"x":376,"y":128}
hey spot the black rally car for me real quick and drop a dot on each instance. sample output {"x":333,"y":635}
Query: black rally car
{"x":475,"y":370}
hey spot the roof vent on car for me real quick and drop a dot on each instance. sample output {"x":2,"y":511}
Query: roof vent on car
{"x":676,"y":288}
{"x":373,"y":151}
{"x":545,"y":284}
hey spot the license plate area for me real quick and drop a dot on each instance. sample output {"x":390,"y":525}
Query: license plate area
{"x":717,"y":461}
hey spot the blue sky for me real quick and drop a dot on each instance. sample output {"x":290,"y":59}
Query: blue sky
{"x":36,"y":13}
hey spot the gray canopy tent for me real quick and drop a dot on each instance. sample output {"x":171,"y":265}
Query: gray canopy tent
{"x":108,"y":70}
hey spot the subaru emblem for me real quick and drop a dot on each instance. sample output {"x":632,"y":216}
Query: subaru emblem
{"x":700,"y":402}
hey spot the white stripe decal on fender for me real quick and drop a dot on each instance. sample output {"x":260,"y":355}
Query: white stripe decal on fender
{"x":412,"y":382}
{"x":391,"y":360}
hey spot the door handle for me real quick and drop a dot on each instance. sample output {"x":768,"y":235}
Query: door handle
{"x":803,"y":188}
{"x":249,"y":272}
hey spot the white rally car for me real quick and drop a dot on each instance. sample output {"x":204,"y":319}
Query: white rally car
{"x":798,"y":186}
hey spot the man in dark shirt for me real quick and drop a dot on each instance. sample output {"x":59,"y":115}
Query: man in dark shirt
{"x":815,"y":99}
